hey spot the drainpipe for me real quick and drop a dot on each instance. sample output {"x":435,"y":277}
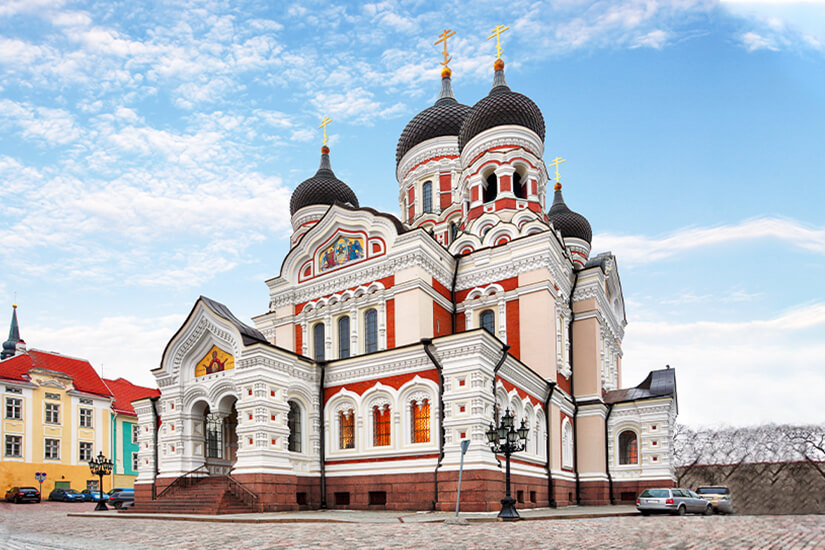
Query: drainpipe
{"x":573,"y":395}
{"x":504,"y":351}
{"x":551,"y":501}
{"x":427,"y":343}
{"x":457,"y":258}
{"x":606,"y":456}
{"x":323,"y":447}
{"x":155,"y":419}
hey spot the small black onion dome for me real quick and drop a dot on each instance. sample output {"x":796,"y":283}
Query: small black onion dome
{"x":322,"y":188}
{"x":444,"y":118}
{"x":501,"y":107}
{"x":571,"y":224}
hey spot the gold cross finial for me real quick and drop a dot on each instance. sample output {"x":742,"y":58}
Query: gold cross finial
{"x":556,"y":162}
{"x":443,"y":38}
{"x":323,"y":125}
{"x":497,"y":33}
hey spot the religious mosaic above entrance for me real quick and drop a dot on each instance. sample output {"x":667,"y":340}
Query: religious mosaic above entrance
{"x":216,"y":360}
{"x":342,"y":251}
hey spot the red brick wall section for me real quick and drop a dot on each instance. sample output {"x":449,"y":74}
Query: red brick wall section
{"x":299,"y":339}
{"x":594,"y":493}
{"x":411,"y":203}
{"x":278,"y":493}
{"x":460,"y":322}
{"x":564,"y":383}
{"x":441,"y":289}
{"x":442,"y":321}
{"x":390,"y":323}
{"x":393,"y":381}
{"x":513,"y":331}
{"x":445,"y":183}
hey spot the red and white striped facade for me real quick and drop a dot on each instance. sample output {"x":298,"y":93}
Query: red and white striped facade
{"x":415,"y":298}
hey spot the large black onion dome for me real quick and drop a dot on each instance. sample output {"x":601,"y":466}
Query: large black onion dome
{"x":444,"y":118}
{"x":501,"y":107}
{"x":571,"y":224}
{"x":322,"y":188}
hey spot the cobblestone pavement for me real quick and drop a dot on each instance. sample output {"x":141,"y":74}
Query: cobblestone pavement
{"x":47,"y":526}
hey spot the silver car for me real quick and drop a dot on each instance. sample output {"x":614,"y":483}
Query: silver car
{"x":719,"y":497}
{"x":672,"y":501}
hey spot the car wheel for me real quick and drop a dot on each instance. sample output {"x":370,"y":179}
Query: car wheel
{"x":117,"y":505}
{"x":17,"y":500}
{"x":681,"y":511}
{"x":708,"y":510}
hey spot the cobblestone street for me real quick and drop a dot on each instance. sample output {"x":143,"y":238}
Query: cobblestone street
{"x":47,"y":526}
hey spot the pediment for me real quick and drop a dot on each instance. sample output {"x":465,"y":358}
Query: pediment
{"x":344,"y":238}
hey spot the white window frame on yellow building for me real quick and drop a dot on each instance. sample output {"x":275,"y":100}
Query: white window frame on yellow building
{"x":19,"y":408}
{"x":89,"y":416}
{"x":80,"y":445}
{"x":19,"y":445}
{"x":56,"y":409}
{"x":46,"y":448}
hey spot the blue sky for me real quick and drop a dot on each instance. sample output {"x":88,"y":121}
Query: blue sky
{"x":148,"y":152}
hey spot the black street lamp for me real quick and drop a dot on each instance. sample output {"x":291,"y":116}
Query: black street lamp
{"x":100,"y":466}
{"x":508,"y":440}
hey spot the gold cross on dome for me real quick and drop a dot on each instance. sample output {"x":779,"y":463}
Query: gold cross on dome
{"x":556,"y":162}
{"x":323,"y":125}
{"x":497,"y":33}
{"x":443,"y":38}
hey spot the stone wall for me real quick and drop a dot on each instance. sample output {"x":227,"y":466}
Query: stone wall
{"x":765,"y":487}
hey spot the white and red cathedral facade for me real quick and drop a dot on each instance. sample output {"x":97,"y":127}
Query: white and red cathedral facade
{"x":388,"y":341}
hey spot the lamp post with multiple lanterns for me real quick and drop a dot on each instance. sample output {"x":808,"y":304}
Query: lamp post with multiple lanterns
{"x":506,"y":439}
{"x":100,"y":466}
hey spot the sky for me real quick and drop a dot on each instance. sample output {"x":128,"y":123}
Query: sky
{"x":148,"y":151}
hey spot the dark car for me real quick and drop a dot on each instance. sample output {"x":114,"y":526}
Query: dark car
{"x":672,"y":501}
{"x":92,"y":495}
{"x":122,"y":498}
{"x":67,"y":495}
{"x":22,"y":494}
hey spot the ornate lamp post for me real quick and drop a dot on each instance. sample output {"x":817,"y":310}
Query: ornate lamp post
{"x":508,"y":440}
{"x":100,"y":466}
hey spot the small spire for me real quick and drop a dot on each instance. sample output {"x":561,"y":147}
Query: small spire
{"x":446,"y":95}
{"x":10,"y":345}
{"x":499,"y":83}
{"x":325,"y":164}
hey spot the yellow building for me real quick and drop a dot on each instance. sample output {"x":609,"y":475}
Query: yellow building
{"x":58,"y":414}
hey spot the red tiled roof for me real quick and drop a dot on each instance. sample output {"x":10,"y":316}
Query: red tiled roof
{"x":83,"y":375}
{"x":125,"y":392}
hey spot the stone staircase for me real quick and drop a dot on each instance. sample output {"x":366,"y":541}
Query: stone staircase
{"x":202,"y":495}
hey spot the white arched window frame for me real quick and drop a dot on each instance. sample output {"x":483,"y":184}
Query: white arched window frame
{"x":343,"y":329}
{"x":319,"y":341}
{"x":627,"y":446}
{"x":296,"y":423}
{"x":382,"y":401}
{"x":567,"y":444}
{"x":344,"y":409}
{"x":541,"y":434}
{"x":427,"y":197}
{"x":416,"y":397}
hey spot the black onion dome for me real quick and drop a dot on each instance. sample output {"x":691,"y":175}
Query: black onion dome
{"x":571,"y":224}
{"x":322,"y":188}
{"x":501,"y":107}
{"x":444,"y":118}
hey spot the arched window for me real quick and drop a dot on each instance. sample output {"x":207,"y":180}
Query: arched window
{"x":518,"y":188}
{"x":491,"y":189}
{"x":381,"y":425}
{"x":567,"y":444}
{"x":427,"y":197}
{"x":488,"y":321}
{"x":343,"y":337}
{"x":318,"y":341}
{"x":293,"y":420}
{"x":453,"y":231}
{"x":628,"y":448}
{"x":420,"y":414}
{"x":371,"y":331}
{"x":346,"y":429}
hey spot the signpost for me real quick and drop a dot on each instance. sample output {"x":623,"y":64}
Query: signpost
{"x":464,"y":445}
{"x":40,"y":477}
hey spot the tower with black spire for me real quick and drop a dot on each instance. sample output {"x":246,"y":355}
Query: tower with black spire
{"x":13,"y":345}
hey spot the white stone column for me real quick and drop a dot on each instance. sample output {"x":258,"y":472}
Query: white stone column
{"x":382,"y":325}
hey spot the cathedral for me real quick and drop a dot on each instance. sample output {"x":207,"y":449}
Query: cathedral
{"x":387,"y":341}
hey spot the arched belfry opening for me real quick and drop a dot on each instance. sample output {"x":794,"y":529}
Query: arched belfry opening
{"x":518,"y":187}
{"x":491,"y":188}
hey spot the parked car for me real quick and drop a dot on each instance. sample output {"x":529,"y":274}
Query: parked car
{"x":672,"y":501}
{"x":122,"y":499}
{"x":67,"y":495}
{"x":93,"y":495}
{"x":113,"y":491}
{"x":719,"y":497}
{"x":22,"y":494}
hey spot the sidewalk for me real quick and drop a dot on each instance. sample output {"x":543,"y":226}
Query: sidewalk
{"x":361,"y":516}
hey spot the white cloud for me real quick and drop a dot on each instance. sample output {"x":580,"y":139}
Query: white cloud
{"x":638,"y":249}
{"x":753,"y":41}
{"x":765,"y":370}
{"x":654,"y":39}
